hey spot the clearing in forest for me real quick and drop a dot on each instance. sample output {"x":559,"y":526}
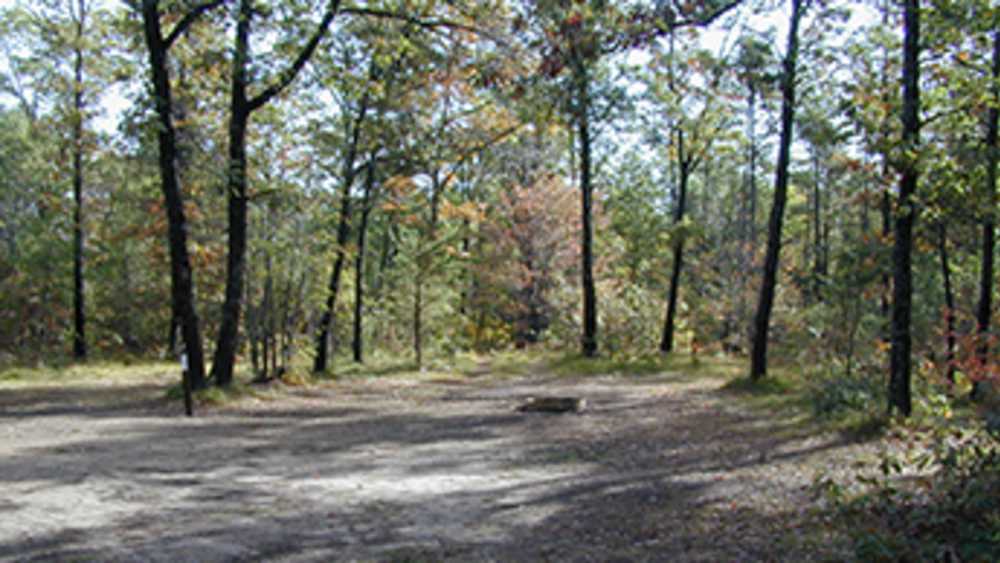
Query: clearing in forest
{"x":663,"y":466}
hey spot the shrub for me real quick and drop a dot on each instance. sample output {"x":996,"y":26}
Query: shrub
{"x":939,"y":499}
{"x":832,"y":394}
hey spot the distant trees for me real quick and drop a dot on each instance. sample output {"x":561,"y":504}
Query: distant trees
{"x":407,"y":185}
{"x":55,"y":75}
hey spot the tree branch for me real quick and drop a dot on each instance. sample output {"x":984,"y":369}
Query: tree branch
{"x":413,"y":20}
{"x":289,"y":74}
{"x":188,"y":19}
{"x":478,"y":149}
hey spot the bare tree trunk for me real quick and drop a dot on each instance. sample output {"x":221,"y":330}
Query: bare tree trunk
{"x":752,"y":180}
{"x":79,"y":315}
{"x":899,"y":356}
{"x":985,"y":309}
{"x":418,"y":304}
{"x":949,"y":300}
{"x":589,"y":341}
{"x":819,"y":266}
{"x":667,"y":340}
{"x":762,"y":320}
{"x":359,"y":263}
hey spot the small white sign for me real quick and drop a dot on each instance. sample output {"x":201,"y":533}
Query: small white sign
{"x":184,"y":362}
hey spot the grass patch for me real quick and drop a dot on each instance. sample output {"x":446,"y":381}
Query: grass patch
{"x":214,"y":396}
{"x":764,"y":387}
{"x":379,"y":366}
{"x":680,"y":365}
{"x":109,"y":371}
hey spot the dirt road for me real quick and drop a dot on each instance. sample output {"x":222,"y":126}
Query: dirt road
{"x":658,"y":468}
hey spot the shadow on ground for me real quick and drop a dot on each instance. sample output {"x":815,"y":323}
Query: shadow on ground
{"x":653,"y":471}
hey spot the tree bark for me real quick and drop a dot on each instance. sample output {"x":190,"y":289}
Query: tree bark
{"x":762,"y":319}
{"x":589,"y":342}
{"x":752,"y":179}
{"x":684,"y":171}
{"x":885,"y":304}
{"x":819,"y":265}
{"x":902,"y":290}
{"x":181,"y":277}
{"x":985,"y":308}
{"x":949,"y":300}
{"x":359,"y":263}
{"x":418,"y":304}
{"x":79,"y":314}
{"x":236,"y":191}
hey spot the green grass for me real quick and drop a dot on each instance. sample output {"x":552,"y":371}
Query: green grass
{"x":675,"y":365}
{"x":91,"y":372}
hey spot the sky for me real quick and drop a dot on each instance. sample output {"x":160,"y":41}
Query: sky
{"x":715,"y":39}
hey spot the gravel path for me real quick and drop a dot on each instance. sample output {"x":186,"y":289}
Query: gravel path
{"x":657,"y":468}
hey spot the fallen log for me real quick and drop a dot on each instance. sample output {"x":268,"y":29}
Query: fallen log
{"x":553,"y":404}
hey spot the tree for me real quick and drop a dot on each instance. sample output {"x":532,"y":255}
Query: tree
{"x":241,"y":108}
{"x":56,"y":41}
{"x":357,"y":340}
{"x":762,"y":319}
{"x":696,"y":119}
{"x":353,"y":134}
{"x":984,"y":311}
{"x":755,"y":56}
{"x":181,"y":275}
{"x":902,"y":294}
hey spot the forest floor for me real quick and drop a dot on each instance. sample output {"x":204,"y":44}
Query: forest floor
{"x":667,"y":466}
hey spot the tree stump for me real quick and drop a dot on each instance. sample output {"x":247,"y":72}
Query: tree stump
{"x":553,"y":404}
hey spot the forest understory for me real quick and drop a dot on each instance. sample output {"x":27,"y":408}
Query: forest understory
{"x":415,"y":467}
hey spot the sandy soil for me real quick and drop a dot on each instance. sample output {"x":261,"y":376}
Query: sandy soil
{"x":657,"y":469}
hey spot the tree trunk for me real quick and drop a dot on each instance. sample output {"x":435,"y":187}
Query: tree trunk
{"x":343,"y":234}
{"x":79,"y":316}
{"x":236,"y":190}
{"x":418,"y":304}
{"x":902,"y":290}
{"x":359,"y":262}
{"x":684,"y":169}
{"x":181,"y":277}
{"x":819,"y":267}
{"x":885,"y":304}
{"x":886,"y":202}
{"x":985,"y":309}
{"x":752,"y":180}
{"x":586,"y":191}
{"x":762,"y":319}
{"x":239,"y":117}
{"x":949,"y":301}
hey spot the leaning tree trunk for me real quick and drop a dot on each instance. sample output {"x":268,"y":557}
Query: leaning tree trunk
{"x":902,"y":290}
{"x":343,"y":234}
{"x":79,"y":316}
{"x":762,"y":319}
{"x":667,"y":340}
{"x":181,"y":277}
